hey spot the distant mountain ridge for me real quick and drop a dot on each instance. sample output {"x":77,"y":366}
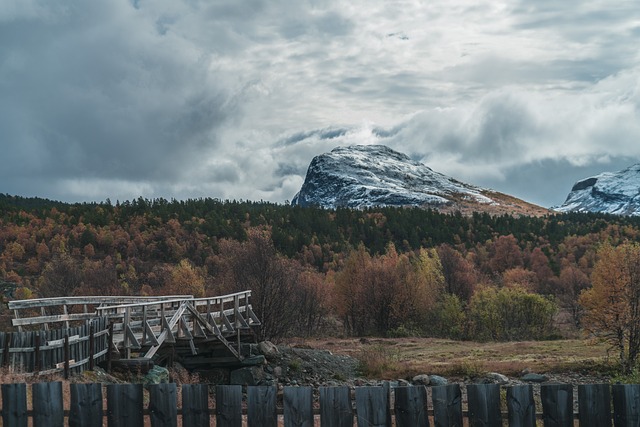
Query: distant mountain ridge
{"x":364,"y":176}
{"x":609,"y":192}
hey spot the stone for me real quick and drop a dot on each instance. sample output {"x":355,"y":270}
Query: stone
{"x":421,"y":380}
{"x":497,"y":378}
{"x":277,"y":371}
{"x":436,"y":380}
{"x":246,"y":376}
{"x":268,"y":349}
{"x":534,"y":378}
{"x":156,"y":375}
{"x":403,"y":383}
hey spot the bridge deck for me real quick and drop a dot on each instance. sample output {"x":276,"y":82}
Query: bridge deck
{"x":147,"y":326}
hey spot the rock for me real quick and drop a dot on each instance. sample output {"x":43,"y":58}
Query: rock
{"x":534,"y":378}
{"x":277,"y":371}
{"x":497,"y":378}
{"x":403,"y":383}
{"x":246,"y":376}
{"x":269,"y":349}
{"x":436,"y":380}
{"x":421,"y":380}
{"x":156,"y":375}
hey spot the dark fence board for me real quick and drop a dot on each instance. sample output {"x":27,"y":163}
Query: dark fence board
{"x":163,"y":405}
{"x":411,"y":406}
{"x":626,"y":405}
{"x":195,"y":405}
{"x":14,"y":405}
{"x":48,"y":410}
{"x":298,"y":407}
{"x":594,"y":405}
{"x":372,"y":406}
{"x":484,"y":405}
{"x":124,"y":405}
{"x":447,"y":406}
{"x":229,"y":406}
{"x":521,"y":406}
{"x":261,"y":407}
{"x":557,"y":405}
{"x":335,"y":407}
{"x":86,"y":405}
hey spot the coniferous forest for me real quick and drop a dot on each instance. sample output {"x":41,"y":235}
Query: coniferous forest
{"x":384,"y":272}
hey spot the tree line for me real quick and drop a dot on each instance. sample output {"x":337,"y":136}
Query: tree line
{"x":386,"y":271}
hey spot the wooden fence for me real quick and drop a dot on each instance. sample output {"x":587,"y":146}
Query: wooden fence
{"x":599,"y":405}
{"x":68,"y":350}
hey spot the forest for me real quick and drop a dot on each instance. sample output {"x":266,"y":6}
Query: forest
{"x":375,"y":272}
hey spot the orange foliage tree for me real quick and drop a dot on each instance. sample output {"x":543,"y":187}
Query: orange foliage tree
{"x":612,"y":304}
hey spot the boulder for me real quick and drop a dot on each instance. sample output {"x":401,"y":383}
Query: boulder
{"x":246,"y":376}
{"x":421,"y":380}
{"x":156,"y":375}
{"x":534,"y":378}
{"x":268,"y":349}
{"x":497,"y":378}
{"x":436,"y":380}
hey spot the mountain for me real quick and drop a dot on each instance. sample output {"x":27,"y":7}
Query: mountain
{"x":609,"y":192}
{"x":363,"y":176}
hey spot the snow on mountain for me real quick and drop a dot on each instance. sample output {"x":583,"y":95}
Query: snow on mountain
{"x":610,"y":192}
{"x":362,"y":176}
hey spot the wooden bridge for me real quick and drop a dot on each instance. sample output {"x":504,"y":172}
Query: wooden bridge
{"x":197,"y":331}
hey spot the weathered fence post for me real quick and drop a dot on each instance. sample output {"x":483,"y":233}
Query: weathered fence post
{"x":411,"y":406}
{"x":229,"y":406}
{"x":626,"y":405}
{"x":372,"y":406}
{"x":36,"y":362}
{"x":109,"y":346}
{"x":261,"y":406}
{"x":92,"y":346}
{"x":124,"y":405}
{"x":447,"y":405}
{"x":86,"y":405}
{"x":521,"y":406}
{"x":66,"y":356}
{"x":557,"y":405}
{"x":48,"y":408}
{"x":335,"y":407}
{"x":298,"y":407}
{"x":163,"y":405}
{"x":5,"y":351}
{"x":484,"y":405}
{"x":195,"y":405}
{"x":14,"y":405}
{"x":594,"y":405}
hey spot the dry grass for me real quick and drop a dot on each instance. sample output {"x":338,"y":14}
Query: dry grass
{"x":405,"y":357}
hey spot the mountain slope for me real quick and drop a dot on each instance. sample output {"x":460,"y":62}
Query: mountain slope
{"x":363,"y":176}
{"x":610,"y":192}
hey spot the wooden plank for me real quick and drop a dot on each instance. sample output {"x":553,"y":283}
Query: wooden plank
{"x":298,"y":407}
{"x":229,"y":406}
{"x":335,"y":407}
{"x":521,"y":406}
{"x":86,"y":405}
{"x":48,"y":409}
{"x":411,"y":406}
{"x":124,"y":405}
{"x":372,"y":406}
{"x":195,"y":405}
{"x":261,"y":407}
{"x":447,"y":405}
{"x":14,"y":405}
{"x":163,"y":405}
{"x":594,"y":405}
{"x":626,"y":405}
{"x":484,"y":405}
{"x":557,"y":405}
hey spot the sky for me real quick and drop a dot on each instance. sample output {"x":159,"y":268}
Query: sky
{"x":120,"y":99}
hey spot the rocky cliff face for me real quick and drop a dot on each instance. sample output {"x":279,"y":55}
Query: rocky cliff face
{"x":610,"y":192}
{"x":363,"y":176}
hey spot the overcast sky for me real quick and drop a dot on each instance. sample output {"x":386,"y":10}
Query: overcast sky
{"x":232,"y":99}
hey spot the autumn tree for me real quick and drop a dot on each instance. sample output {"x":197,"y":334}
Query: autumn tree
{"x":61,"y":277}
{"x":612,"y":304}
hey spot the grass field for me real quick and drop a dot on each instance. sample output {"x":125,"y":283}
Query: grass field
{"x":403,"y":357}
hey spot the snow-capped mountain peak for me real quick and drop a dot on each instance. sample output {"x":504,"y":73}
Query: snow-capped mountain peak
{"x":609,"y":192}
{"x":362,"y":176}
